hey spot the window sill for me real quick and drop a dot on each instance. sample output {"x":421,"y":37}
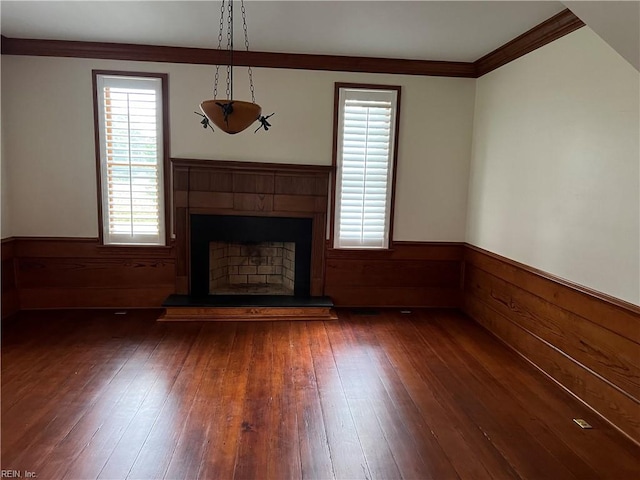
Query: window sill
{"x":137,"y":250}
{"x":360,"y":253}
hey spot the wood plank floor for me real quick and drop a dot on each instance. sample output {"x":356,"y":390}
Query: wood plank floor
{"x":93,"y":395}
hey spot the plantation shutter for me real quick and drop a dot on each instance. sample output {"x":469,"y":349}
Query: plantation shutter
{"x":130,"y":119}
{"x":366,"y":124}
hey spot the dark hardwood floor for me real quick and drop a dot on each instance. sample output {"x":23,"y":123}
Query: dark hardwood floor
{"x":91,"y":394}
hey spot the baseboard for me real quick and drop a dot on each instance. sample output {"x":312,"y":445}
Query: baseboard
{"x":586,"y":341}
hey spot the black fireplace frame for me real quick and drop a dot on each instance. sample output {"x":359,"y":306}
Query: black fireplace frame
{"x":205,"y":229}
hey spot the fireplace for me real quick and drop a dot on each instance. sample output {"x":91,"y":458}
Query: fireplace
{"x":236,"y":254}
{"x":225,"y":206}
{"x":233,"y":220}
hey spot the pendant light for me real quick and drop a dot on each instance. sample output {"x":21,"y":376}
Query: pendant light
{"x":230,"y":115}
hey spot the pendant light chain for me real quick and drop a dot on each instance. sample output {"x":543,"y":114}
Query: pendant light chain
{"x":246,"y":44}
{"x":230,"y":49}
{"x":215,"y":83}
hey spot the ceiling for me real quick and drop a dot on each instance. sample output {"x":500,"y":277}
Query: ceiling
{"x":421,"y":30}
{"x":617,"y":23}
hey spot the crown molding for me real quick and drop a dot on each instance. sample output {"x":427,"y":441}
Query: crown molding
{"x":557,"y":26}
{"x":205,"y":56}
{"x":546,"y":32}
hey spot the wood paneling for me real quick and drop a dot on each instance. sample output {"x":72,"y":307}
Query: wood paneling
{"x":104,"y":297}
{"x":212,"y":187}
{"x":546,"y":32}
{"x":94,"y":272}
{"x":401,"y":273}
{"x":246,"y":182}
{"x":411,"y":274}
{"x":300,"y":203}
{"x":252,"y":202}
{"x":613,"y":314}
{"x":81,"y":273}
{"x":300,"y":185}
{"x":386,"y":296}
{"x":213,"y":200}
{"x":10,"y":298}
{"x":585,"y":341}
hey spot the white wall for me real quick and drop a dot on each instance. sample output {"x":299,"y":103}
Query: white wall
{"x":48,"y":139}
{"x":5,"y":213}
{"x":555,"y":178}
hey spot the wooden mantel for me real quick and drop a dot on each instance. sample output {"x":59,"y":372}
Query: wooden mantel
{"x":211,"y":187}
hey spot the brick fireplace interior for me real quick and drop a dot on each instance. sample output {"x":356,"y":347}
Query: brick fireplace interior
{"x":245,"y":268}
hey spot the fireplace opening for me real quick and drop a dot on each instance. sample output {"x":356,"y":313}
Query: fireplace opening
{"x":246,"y":268}
{"x":246,"y":255}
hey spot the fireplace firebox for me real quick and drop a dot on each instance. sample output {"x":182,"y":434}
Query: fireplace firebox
{"x":252,"y":252}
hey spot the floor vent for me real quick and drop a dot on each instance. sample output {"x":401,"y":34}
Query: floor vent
{"x":365,"y":311}
{"x":581,"y":423}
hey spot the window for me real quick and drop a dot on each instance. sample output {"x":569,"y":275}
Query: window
{"x":131,"y":127}
{"x":365,"y":158}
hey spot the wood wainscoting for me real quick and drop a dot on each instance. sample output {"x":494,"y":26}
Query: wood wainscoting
{"x":80,"y":273}
{"x":587,"y":342}
{"x":63,"y":272}
{"x":10,"y":298}
{"x":410,"y":274}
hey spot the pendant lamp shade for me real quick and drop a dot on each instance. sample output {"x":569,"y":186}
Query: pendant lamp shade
{"x":243,"y":114}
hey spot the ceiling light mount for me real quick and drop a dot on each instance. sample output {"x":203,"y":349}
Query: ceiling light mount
{"x":229,"y":115}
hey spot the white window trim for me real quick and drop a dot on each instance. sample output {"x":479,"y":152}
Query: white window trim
{"x":147,"y":83}
{"x":365,"y":93}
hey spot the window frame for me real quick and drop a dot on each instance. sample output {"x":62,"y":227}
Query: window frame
{"x":393,"y":170}
{"x":164,"y":164}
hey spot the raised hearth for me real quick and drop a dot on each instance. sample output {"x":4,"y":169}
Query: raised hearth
{"x":247,"y":307}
